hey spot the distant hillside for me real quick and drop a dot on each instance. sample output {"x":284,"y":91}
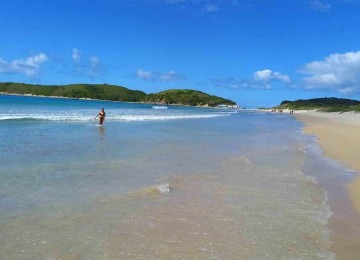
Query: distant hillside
{"x":187,"y":97}
{"x":322,"y":104}
{"x":94,"y":91}
{"x":116,"y":93}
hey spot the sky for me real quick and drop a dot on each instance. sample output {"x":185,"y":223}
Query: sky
{"x":254,"y":52}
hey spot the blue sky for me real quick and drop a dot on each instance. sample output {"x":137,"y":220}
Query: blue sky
{"x":255,"y":52}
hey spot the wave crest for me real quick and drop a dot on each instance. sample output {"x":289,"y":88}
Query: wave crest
{"x":124,"y":118}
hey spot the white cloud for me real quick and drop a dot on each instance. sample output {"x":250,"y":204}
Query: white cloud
{"x":339,"y":72}
{"x":94,"y":69}
{"x":158,"y":76}
{"x":320,"y":6}
{"x":94,"y":60}
{"x":145,"y":75}
{"x":29,"y":66}
{"x":75,"y":55}
{"x":89,"y":66}
{"x":232,"y":83}
{"x":205,"y":6}
{"x":261,"y":80}
{"x":268,"y":75}
{"x":169,"y":76}
{"x":211,"y":8}
{"x":175,"y":1}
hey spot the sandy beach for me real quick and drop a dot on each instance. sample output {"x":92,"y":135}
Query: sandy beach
{"x":338,"y":135}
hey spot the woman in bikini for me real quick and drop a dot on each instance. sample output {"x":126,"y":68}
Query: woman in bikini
{"x":101,"y":116}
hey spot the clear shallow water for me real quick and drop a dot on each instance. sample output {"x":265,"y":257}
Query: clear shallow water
{"x":72,"y":189}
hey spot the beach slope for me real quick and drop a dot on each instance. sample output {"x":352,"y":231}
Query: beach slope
{"x":338,"y":135}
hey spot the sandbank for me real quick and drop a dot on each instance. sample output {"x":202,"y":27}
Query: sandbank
{"x":338,"y":135}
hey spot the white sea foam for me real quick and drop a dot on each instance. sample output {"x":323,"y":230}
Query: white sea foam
{"x":111,"y":117}
{"x":164,"y":188}
{"x":160,"y":107}
{"x":157,"y":117}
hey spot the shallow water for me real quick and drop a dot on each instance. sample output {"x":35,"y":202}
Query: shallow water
{"x":72,"y":189}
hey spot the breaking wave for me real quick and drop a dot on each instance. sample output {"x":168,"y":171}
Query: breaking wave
{"x":112,"y":117}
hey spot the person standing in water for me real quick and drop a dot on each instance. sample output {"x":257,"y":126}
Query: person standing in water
{"x":101,"y":116}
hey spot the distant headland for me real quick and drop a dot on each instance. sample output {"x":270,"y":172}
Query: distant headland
{"x":322,"y":104}
{"x":186,"y":97}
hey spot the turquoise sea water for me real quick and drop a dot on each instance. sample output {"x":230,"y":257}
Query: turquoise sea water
{"x":71,"y":189}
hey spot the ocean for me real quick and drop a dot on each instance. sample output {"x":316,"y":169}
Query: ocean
{"x":156,"y":182}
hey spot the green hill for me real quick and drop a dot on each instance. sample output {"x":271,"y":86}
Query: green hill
{"x":322,"y":104}
{"x":93,"y":91}
{"x":115,"y":93}
{"x":187,"y":97}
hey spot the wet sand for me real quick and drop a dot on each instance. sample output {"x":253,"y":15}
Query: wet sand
{"x":338,"y":135}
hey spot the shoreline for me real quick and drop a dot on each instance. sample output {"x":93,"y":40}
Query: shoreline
{"x":106,"y":100}
{"x":338,"y":135}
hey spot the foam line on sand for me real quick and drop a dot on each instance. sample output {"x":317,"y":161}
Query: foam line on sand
{"x":338,"y":135}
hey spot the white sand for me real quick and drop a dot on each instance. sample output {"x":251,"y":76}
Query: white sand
{"x":339,"y":137}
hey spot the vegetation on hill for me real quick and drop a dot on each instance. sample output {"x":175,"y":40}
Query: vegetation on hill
{"x":93,"y":91}
{"x":187,"y":97}
{"x":115,"y":93}
{"x":322,"y":104}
